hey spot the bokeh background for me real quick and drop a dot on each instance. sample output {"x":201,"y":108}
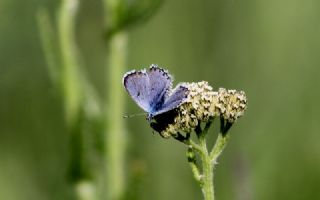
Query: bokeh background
{"x":269,"y":49}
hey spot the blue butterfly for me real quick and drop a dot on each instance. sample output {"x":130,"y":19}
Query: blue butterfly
{"x":152,"y":90}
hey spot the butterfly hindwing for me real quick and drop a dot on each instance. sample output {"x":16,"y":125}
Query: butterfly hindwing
{"x":175,"y":99}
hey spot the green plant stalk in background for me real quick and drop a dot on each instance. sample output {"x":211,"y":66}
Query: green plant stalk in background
{"x":81,"y":105}
{"x":120,"y":15}
{"x":72,"y":86}
{"x":115,"y":135}
{"x":49,"y":46}
{"x":71,"y":81}
{"x":65,"y":73}
{"x":115,"y":139}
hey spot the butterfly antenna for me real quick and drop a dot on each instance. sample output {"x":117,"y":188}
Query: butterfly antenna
{"x":134,"y":115}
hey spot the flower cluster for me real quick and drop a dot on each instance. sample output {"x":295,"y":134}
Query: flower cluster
{"x":201,"y":105}
{"x":232,"y":104}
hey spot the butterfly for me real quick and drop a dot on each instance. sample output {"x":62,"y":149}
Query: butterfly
{"x":152,"y":90}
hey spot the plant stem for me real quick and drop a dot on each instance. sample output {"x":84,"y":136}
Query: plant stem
{"x":72,"y":92}
{"x":197,"y":147}
{"x":115,"y":140}
{"x":49,"y":46}
{"x":208,"y":159}
{"x":70,"y":65}
{"x":207,"y":171}
{"x":192,"y":162}
{"x":115,"y":133}
{"x":220,"y":144}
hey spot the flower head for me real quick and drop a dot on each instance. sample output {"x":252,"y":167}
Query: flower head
{"x":201,"y":105}
{"x":232,"y":104}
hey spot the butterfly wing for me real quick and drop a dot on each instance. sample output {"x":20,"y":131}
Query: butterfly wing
{"x":175,"y":99}
{"x":137,"y":85}
{"x":148,"y":88}
{"x":160,"y":83}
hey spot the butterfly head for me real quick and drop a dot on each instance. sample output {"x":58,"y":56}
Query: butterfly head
{"x":150,"y":117}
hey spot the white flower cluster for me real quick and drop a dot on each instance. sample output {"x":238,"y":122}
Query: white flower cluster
{"x":201,"y":105}
{"x":232,"y":104}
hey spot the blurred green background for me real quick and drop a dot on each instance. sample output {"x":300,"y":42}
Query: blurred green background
{"x":269,"y":49}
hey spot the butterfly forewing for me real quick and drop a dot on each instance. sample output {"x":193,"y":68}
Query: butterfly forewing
{"x":151,"y":90}
{"x":160,"y":83}
{"x":137,"y":85}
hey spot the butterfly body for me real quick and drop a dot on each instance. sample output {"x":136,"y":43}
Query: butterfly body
{"x":152,"y":90}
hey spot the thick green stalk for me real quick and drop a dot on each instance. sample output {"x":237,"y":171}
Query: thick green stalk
{"x":72,"y":82}
{"x":115,"y":139}
{"x":70,"y":65}
{"x":115,"y":133}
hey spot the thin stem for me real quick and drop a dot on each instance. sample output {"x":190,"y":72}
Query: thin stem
{"x":187,"y":141}
{"x":197,"y":147}
{"x":220,"y":144}
{"x":49,"y":46}
{"x":208,"y":125}
{"x":193,"y":164}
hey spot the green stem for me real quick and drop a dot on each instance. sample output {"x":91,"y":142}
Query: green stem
{"x":207,"y":172}
{"x":72,"y":92}
{"x":115,"y":133}
{"x":70,"y":65}
{"x":48,"y":42}
{"x":115,"y":138}
{"x":192,"y":162}
{"x":197,"y":147}
{"x":208,"y":159}
{"x":220,"y":144}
